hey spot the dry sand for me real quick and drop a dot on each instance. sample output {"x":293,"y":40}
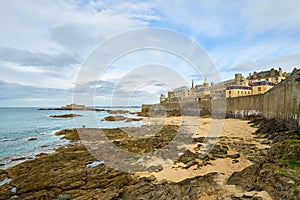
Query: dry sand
{"x":231,"y":130}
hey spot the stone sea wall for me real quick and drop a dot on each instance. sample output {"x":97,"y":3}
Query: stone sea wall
{"x":177,"y":109}
{"x":281,"y":102}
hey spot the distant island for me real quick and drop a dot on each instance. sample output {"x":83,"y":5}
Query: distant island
{"x":65,"y":116}
{"x":74,"y":106}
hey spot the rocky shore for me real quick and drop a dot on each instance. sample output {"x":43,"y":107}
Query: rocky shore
{"x":65,"y":116}
{"x":278,"y":171}
{"x":242,"y":165}
{"x":121,"y":118}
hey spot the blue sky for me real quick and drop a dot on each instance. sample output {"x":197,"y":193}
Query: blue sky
{"x":43,"y":44}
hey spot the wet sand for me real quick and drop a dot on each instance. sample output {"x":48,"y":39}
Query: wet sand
{"x":65,"y":172}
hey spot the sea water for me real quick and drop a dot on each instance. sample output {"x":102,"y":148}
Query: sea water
{"x":26,"y":132}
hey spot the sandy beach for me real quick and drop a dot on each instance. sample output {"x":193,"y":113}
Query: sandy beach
{"x":233,"y":131}
{"x":72,"y":172}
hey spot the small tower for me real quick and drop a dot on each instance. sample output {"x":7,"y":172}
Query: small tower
{"x":238,"y":78}
{"x":280,"y":71}
{"x":273,"y":73}
{"x":192,"y":84}
{"x":205,"y":84}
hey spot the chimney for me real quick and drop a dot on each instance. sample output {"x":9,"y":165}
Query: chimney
{"x":212,"y":83}
{"x":249,"y":75}
{"x":280,"y":71}
{"x":255,"y":75}
{"x":238,"y":78}
{"x":273,"y":72}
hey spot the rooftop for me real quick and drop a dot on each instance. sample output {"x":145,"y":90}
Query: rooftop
{"x":181,"y":89}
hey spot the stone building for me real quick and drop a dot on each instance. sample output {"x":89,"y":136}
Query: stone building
{"x":202,"y":93}
{"x":218,"y":91}
{"x":256,"y":83}
{"x":238,"y":90}
{"x":180,"y":93}
{"x":262,"y":81}
{"x":273,"y":76}
{"x":261,"y":87}
{"x":163,"y":98}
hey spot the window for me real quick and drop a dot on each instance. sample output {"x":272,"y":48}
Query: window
{"x":259,"y":89}
{"x":229,"y":92}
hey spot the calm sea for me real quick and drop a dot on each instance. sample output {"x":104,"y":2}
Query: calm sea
{"x":19,"y":125}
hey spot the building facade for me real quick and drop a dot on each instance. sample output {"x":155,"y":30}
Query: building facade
{"x":256,"y":83}
{"x":238,"y":91}
{"x":261,"y":87}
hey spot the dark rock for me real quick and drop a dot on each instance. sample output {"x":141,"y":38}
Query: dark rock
{"x":133,"y":119}
{"x":244,"y":178}
{"x":191,"y":163}
{"x":65,"y":116}
{"x":219,"y":151}
{"x":18,"y":158}
{"x":114,"y":118}
{"x":198,"y":140}
{"x":70,"y":134}
{"x":144,"y":144}
{"x":235,"y":161}
{"x":63,"y":175}
{"x":267,"y":142}
{"x":31,"y":139}
{"x":118,"y":111}
{"x":3,"y":175}
{"x":276,"y":173}
{"x":234,"y":156}
{"x":187,"y":157}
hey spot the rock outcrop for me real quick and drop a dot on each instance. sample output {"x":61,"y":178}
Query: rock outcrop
{"x":121,"y":118}
{"x":73,"y":173}
{"x":278,"y":173}
{"x":65,"y":116}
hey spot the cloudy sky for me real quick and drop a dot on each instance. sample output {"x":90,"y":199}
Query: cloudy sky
{"x":44,"y":44}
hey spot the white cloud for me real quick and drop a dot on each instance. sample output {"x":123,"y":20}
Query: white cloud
{"x":44,"y":42}
{"x":273,"y":15}
{"x":33,"y":25}
{"x":238,"y":32}
{"x":202,"y":18}
{"x":287,"y":62}
{"x":33,"y":76}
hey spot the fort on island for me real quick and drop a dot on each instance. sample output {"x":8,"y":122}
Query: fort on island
{"x":256,"y":83}
{"x":271,"y":94}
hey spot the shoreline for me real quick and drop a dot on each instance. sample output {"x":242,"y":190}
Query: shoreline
{"x":44,"y":149}
{"x":239,"y":141}
{"x":47,"y":145}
